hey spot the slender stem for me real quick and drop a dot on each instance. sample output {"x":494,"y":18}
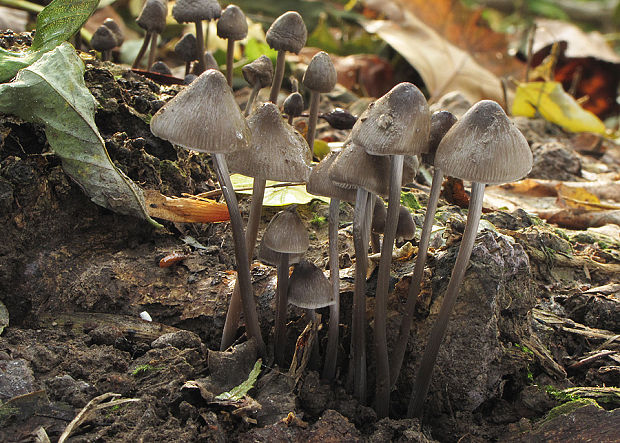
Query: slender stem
{"x":230,"y":51}
{"x":398,"y":353}
{"x":188,"y":65}
{"x":241,"y":252}
{"x":234,"y":308}
{"x":105,"y":55}
{"x":438,"y":332}
{"x":382,"y":386}
{"x":252,"y":99}
{"x":200,"y":48}
{"x":312,"y":119}
{"x":358,"y":320}
{"x":282,"y":303}
{"x":208,"y":28}
{"x":331,"y":353}
{"x":277,"y":78}
{"x":142,"y":51}
{"x":153,"y":51}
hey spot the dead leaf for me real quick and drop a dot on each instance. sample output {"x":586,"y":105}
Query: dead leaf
{"x":186,"y":210}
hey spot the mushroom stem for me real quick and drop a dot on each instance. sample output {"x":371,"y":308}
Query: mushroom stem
{"x":312,"y":119}
{"x":230,"y":51}
{"x":282,"y":302}
{"x":153,"y":50}
{"x":234,"y":308}
{"x":438,"y":332}
{"x":277,"y":77}
{"x":200,"y":48}
{"x":142,"y":51}
{"x":375,"y":242}
{"x":251,"y":99}
{"x":398,"y":353}
{"x":382,"y":385}
{"x":188,"y":66}
{"x":331,"y":352}
{"x":106,"y":55}
{"x":358,"y":320}
{"x":241,"y":252}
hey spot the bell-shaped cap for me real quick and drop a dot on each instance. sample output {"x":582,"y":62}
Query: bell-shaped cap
{"x":277,"y":151}
{"x":484,"y":146}
{"x":396,"y":124}
{"x":411,"y":166}
{"x":355,"y":168}
{"x":210,"y":61}
{"x":204,"y":117}
{"x":293,"y":105}
{"x":161,"y":68}
{"x":441,"y":122}
{"x":405,"y":229}
{"x":232,"y":24}
{"x":287,"y":33}
{"x":152,"y":18}
{"x":286,"y":233}
{"x":272,"y":258}
{"x":116,"y":30}
{"x":321,"y":74}
{"x":319,"y":182}
{"x":308,"y":287}
{"x":187,"y":11}
{"x":186,"y":48}
{"x":103,"y":39}
{"x":259,"y":71}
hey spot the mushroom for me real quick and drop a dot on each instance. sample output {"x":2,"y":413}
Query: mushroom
{"x":405,"y":229}
{"x":379,"y":213}
{"x":186,"y":49}
{"x":287,"y":235}
{"x":188,"y":11}
{"x":258,"y":74}
{"x":319,"y":183}
{"x":441,"y":122}
{"x":484,"y":147}
{"x":152,"y":18}
{"x":320,"y":76}
{"x":116,"y":30}
{"x":397,"y":124}
{"x":293,"y":106}
{"x":160,"y":68}
{"x":104,"y":40}
{"x":277,"y":152}
{"x":231,"y":26}
{"x":205,"y":117}
{"x":287,"y":33}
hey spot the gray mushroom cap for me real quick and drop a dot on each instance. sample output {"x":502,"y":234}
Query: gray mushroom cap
{"x":396,"y":124}
{"x":379,"y":215}
{"x":484,"y":146}
{"x":204,"y":117}
{"x":319,"y":182}
{"x":116,"y":30}
{"x":293,"y":105}
{"x":308,"y":287}
{"x":152,"y":18}
{"x":103,"y":39}
{"x":186,"y":11}
{"x":287,"y":33}
{"x":277,"y":151}
{"x":321,"y":74}
{"x":260,"y":70}
{"x":161,"y":68}
{"x":210,"y":61}
{"x":186,"y":48}
{"x":405,"y":230}
{"x":272,"y":258}
{"x":441,"y":122}
{"x":232,"y":24}
{"x":286,"y":233}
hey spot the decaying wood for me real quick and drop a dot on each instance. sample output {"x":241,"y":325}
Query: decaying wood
{"x":567,"y":325}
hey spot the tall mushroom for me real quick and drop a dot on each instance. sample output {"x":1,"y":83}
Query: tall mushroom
{"x":195,"y":11}
{"x":205,"y":117}
{"x":231,"y":26}
{"x":287,"y":235}
{"x":277,"y":152}
{"x":320,"y":77}
{"x":441,"y":122}
{"x":287,"y":33}
{"x":258,"y":74}
{"x":484,"y":147}
{"x":152,"y":19}
{"x":397,"y":125}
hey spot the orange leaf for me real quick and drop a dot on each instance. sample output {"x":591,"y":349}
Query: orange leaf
{"x":185,"y":210}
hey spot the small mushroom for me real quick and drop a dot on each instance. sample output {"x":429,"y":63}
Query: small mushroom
{"x":160,"y":68}
{"x":287,"y":235}
{"x":320,"y":77}
{"x":231,"y":26}
{"x":287,"y":33}
{"x":293,"y":106}
{"x":484,"y":147}
{"x":116,"y":30}
{"x":152,"y":18}
{"x":258,"y":74}
{"x":187,"y":49}
{"x":104,"y":40}
{"x":195,"y":11}
{"x":405,"y":229}
{"x":377,"y":227}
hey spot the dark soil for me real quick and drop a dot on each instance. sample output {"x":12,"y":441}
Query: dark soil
{"x":75,"y":278}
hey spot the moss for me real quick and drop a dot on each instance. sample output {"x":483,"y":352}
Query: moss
{"x":568,"y":407}
{"x":143,"y":370}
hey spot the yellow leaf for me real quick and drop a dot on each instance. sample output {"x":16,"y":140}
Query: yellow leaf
{"x":576,"y":197}
{"x":556,"y":106}
{"x":321,"y":149}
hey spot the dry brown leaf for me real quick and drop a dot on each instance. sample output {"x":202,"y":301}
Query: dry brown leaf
{"x":185,"y":210}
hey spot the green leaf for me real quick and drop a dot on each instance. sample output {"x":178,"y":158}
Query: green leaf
{"x":59,"y":21}
{"x":51,"y":92}
{"x":276,"y":193}
{"x":238,"y":392}
{"x":409,"y":200}
{"x":254,"y":49}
